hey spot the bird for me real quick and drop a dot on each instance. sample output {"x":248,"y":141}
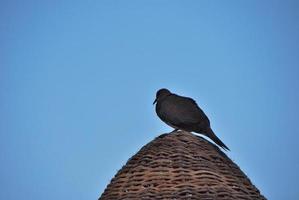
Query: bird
{"x":183,"y":113}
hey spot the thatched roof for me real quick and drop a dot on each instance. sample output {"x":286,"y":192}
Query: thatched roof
{"x":180,"y":165}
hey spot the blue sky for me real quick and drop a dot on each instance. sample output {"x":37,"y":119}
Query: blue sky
{"x":78,"y":78}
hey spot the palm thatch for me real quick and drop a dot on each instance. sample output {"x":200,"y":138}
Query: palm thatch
{"x":180,"y":165}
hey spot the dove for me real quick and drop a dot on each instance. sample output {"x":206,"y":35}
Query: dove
{"x":183,"y":113}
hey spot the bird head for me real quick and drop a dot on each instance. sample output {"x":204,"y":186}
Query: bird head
{"x":161,"y":94}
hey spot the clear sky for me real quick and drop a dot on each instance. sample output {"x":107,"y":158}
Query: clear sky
{"x":78,"y":79}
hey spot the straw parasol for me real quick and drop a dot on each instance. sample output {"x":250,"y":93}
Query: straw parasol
{"x":180,"y":165}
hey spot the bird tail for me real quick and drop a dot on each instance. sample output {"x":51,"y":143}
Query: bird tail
{"x":213,"y":137}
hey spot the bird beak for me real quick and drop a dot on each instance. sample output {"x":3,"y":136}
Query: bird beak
{"x":155,"y":101}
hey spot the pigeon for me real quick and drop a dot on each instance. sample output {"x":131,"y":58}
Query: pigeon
{"x":183,"y":113}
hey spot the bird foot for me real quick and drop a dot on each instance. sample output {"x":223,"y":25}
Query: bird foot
{"x":175,"y":130}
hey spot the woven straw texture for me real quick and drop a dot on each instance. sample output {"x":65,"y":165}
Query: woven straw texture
{"x":180,"y":165}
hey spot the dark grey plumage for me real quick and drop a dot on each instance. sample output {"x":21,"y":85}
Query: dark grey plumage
{"x":183,"y":113}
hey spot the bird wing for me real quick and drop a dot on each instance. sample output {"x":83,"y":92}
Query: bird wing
{"x":183,"y":112}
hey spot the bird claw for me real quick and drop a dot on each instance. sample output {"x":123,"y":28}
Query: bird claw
{"x":175,"y":130}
